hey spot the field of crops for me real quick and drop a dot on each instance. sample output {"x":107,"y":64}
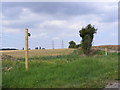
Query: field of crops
{"x":51,"y":52}
{"x":66,"y":69}
{"x":38,"y":53}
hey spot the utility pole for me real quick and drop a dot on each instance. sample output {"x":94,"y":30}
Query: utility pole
{"x":52,"y":44}
{"x":26,"y":49}
{"x":62,"y":46}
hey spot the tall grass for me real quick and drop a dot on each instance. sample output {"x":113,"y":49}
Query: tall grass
{"x":68,"y":71}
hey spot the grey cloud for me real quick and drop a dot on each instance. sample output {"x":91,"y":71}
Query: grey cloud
{"x":54,"y":7}
{"x":70,"y":12}
{"x":60,"y":10}
{"x":11,"y":12}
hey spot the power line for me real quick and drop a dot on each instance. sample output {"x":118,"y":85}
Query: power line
{"x":52,"y":44}
{"x":62,"y":46}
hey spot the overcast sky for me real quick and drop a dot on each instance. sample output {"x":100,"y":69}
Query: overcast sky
{"x":58,"y":21}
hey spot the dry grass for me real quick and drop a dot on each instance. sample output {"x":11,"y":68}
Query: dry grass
{"x":33,"y":53}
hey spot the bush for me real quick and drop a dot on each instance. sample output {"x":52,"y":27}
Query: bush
{"x":87,"y":35}
{"x":72,"y":44}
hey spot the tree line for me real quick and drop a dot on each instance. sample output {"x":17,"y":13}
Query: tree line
{"x":72,"y":44}
{"x":8,"y":49}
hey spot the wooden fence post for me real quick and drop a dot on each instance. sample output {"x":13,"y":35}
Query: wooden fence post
{"x":106,"y":52}
{"x":26,"y":49}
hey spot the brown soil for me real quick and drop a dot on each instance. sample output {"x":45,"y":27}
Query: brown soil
{"x":7,"y":57}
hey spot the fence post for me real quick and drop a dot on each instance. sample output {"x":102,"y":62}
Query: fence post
{"x":106,"y":52}
{"x":26,"y":49}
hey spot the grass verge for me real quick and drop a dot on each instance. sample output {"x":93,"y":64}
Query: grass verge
{"x":69,"y":71}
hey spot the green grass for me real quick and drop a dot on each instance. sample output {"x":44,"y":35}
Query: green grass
{"x":70,"y":71}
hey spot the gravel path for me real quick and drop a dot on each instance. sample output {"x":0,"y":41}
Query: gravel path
{"x":113,"y":86}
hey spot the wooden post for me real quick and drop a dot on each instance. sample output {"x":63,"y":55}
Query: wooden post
{"x":26,"y":49}
{"x":106,"y":52}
